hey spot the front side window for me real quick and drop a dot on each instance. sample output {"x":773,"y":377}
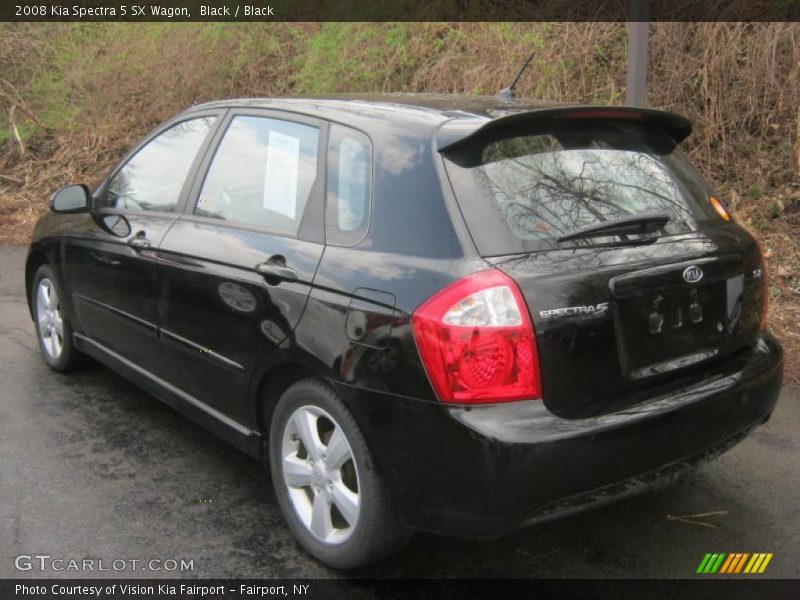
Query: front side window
{"x":262,"y":174}
{"x":153,"y":179}
{"x":349,"y":182}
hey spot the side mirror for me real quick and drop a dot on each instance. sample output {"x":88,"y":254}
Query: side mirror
{"x":71,"y":199}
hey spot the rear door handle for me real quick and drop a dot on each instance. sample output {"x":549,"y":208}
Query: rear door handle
{"x":278,"y":271}
{"x":139,"y":241}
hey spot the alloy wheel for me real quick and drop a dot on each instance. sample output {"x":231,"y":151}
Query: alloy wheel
{"x":50,"y":319}
{"x":321,"y":475}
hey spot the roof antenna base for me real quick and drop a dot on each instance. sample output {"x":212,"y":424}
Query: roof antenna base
{"x":506,"y":94}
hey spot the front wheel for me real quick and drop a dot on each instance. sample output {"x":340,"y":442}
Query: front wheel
{"x":53,"y":325}
{"x":327,"y":486}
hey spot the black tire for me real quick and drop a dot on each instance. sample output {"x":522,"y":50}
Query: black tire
{"x":378,"y":531}
{"x":69,"y":357}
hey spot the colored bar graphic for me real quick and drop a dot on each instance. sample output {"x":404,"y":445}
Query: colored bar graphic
{"x":720,"y":562}
{"x":703,"y":563}
{"x":728,"y":564}
{"x":751,"y":564}
{"x":757,"y":566}
{"x":765,"y":563}
{"x":711,"y":563}
{"x":740,"y":564}
{"x":736,"y":558}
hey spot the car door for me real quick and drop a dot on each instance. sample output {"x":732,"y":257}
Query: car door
{"x":111,"y":268}
{"x":235,"y":271}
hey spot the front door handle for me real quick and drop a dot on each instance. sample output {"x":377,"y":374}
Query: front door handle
{"x":139,"y":241}
{"x":277,"y":271}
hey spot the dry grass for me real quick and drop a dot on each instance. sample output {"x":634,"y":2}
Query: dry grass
{"x":80,"y":94}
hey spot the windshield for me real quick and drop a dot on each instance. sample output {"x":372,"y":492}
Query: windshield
{"x":519,"y":194}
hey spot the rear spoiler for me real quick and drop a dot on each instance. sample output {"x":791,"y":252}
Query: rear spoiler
{"x":459,"y":131}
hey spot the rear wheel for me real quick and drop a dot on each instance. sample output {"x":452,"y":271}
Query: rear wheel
{"x":53,"y":326}
{"x":326,"y":482}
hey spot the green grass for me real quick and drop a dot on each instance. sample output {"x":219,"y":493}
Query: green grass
{"x":347,"y":56}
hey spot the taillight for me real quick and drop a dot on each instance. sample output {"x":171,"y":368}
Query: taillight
{"x":477,"y":342}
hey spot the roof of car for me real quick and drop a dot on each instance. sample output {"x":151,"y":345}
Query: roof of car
{"x":462,"y":116}
{"x":436,"y":107}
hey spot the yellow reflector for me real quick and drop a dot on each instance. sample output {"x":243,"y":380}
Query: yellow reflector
{"x":719,"y":208}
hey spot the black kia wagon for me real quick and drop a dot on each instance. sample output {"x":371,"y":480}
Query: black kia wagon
{"x":450,"y":314}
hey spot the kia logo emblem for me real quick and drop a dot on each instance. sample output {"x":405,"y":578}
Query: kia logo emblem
{"x":692,"y":274}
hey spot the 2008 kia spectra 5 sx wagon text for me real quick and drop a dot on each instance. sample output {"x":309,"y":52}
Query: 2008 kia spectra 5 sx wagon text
{"x":449,"y":314}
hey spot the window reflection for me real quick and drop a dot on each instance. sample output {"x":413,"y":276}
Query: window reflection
{"x":543,"y":186}
{"x":262,"y":174}
{"x":349,"y":170}
{"x":154,"y":177}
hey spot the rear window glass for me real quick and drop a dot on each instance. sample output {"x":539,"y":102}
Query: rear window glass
{"x":519,"y":194}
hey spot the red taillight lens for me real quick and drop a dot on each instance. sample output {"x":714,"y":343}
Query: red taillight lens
{"x":477,"y":341}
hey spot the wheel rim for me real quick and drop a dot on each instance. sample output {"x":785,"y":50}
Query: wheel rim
{"x":51,"y":322}
{"x":321,"y":475}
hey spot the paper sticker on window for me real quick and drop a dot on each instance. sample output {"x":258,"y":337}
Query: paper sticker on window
{"x":280,"y":181}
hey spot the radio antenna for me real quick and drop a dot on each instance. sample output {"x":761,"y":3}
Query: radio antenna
{"x":509,"y":93}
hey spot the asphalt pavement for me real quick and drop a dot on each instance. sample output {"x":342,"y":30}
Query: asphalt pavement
{"x":91,"y":467}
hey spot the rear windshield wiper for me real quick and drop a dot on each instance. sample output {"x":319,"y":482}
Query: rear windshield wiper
{"x":631,"y":225}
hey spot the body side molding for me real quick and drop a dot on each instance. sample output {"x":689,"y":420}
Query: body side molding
{"x":236,"y":434}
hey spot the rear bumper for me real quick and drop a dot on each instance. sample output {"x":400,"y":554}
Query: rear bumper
{"x":484,"y":471}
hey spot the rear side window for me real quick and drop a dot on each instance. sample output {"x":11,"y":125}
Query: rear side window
{"x":349,"y":186}
{"x":262,"y":174}
{"x":153,"y":179}
{"x":519,"y":194}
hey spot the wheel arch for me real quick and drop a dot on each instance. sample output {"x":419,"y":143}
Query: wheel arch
{"x":282,"y":372}
{"x":272,"y":383}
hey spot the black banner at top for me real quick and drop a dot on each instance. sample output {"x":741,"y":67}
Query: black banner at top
{"x":398,"y":10}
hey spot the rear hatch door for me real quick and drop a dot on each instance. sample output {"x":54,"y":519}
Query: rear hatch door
{"x":619,"y":317}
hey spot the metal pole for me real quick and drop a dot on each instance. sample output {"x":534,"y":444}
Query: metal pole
{"x":638,"y":33}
